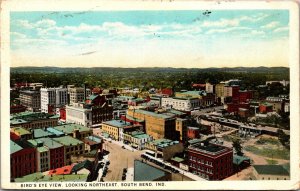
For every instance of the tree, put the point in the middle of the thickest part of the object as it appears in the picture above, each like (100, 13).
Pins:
(236, 143)
(283, 138)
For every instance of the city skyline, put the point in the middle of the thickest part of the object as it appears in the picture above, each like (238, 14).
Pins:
(191, 39)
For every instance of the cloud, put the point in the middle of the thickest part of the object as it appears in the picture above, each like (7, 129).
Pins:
(226, 30)
(270, 25)
(18, 35)
(257, 32)
(221, 23)
(281, 29)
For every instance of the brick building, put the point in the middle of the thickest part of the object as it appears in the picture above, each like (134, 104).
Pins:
(210, 161)
(57, 152)
(22, 159)
(157, 125)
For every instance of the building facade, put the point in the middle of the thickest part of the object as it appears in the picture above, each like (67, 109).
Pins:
(210, 161)
(183, 104)
(22, 159)
(157, 125)
(52, 98)
(77, 94)
(31, 99)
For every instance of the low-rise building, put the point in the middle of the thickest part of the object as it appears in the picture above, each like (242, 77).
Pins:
(72, 146)
(93, 142)
(33, 120)
(116, 128)
(165, 148)
(21, 132)
(270, 172)
(75, 130)
(182, 103)
(137, 139)
(210, 161)
(146, 172)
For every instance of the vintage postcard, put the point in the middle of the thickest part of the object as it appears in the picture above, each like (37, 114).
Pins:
(114, 95)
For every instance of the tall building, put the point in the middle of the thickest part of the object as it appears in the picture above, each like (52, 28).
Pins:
(220, 89)
(157, 125)
(210, 161)
(31, 99)
(52, 98)
(77, 94)
(209, 88)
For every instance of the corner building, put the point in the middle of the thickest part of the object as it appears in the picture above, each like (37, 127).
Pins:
(210, 161)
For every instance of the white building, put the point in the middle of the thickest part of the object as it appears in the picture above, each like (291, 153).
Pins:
(53, 97)
(78, 114)
(184, 104)
(286, 107)
(77, 94)
(209, 88)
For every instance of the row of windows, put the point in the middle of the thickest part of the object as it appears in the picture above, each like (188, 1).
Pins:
(202, 161)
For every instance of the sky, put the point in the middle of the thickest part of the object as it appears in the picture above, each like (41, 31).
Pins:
(189, 39)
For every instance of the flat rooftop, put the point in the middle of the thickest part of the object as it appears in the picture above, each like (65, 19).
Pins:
(157, 115)
(48, 142)
(208, 148)
(271, 170)
(117, 123)
(20, 131)
(68, 141)
(164, 142)
(69, 128)
(39, 133)
(145, 172)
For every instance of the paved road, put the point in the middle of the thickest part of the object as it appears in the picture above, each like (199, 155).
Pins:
(119, 158)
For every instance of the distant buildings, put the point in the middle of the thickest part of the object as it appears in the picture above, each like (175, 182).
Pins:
(282, 82)
(183, 104)
(78, 95)
(210, 161)
(31, 99)
(52, 98)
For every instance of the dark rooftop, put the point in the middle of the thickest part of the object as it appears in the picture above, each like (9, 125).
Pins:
(209, 148)
(145, 172)
(271, 170)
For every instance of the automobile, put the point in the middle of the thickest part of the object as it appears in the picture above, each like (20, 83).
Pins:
(124, 170)
(123, 147)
